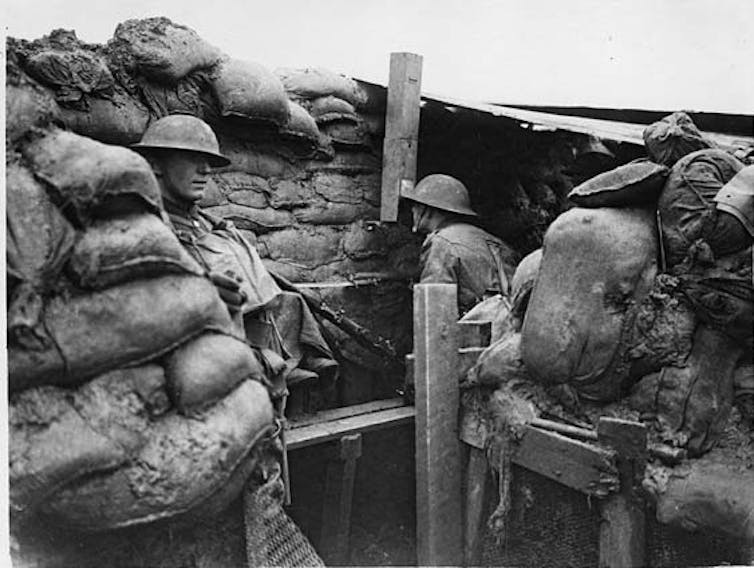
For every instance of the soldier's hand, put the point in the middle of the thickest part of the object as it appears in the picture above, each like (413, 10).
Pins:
(228, 286)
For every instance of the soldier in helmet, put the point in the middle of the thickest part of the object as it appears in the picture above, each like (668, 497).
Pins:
(456, 251)
(182, 151)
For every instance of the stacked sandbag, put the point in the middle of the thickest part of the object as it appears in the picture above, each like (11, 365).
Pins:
(673, 137)
(332, 99)
(635, 184)
(91, 101)
(122, 369)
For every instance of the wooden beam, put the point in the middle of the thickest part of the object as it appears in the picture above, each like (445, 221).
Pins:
(438, 451)
(401, 130)
(467, 358)
(338, 498)
(584, 467)
(321, 432)
(344, 412)
(622, 527)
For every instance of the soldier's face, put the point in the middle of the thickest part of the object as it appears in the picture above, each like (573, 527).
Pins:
(419, 214)
(183, 175)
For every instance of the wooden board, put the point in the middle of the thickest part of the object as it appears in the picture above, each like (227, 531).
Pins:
(401, 130)
(584, 467)
(320, 432)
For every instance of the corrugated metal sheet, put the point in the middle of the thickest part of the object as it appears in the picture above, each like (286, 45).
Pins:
(608, 129)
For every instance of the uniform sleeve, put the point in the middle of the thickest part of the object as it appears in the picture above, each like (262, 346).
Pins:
(438, 262)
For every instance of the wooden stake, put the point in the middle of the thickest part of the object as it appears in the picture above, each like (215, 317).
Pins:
(438, 450)
(401, 130)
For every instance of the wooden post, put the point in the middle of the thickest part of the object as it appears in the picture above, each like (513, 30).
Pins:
(438, 449)
(400, 148)
(622, 530)
(478, 494)
(336, 510)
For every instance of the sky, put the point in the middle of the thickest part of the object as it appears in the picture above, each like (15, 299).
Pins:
(651, 54)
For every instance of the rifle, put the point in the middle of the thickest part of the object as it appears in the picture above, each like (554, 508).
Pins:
(359, 333)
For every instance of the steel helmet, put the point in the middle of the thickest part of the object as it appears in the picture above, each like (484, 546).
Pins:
(442, 192)
(183, 132)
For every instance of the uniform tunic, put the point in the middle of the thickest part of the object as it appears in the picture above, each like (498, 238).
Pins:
(463, 254)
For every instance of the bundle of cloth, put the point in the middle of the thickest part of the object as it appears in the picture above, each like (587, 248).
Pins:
(640, 304)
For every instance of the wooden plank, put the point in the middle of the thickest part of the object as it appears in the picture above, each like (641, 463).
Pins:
(478, 493)
(438, 451)
(338, 498)
(325, 431)
(584, 467)
(345, 412)
(623, 524)
(474, 333)
(401, 130)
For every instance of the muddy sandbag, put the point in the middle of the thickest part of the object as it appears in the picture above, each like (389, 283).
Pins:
(706, 495)
(117, 120)
(27, 103)
(497, 310)
(500, 363)
(39, 242)
(160, 49)
(596, 264)
(207, 368)
(300, 126)
(112, 251)
(330, 108)
(670, 139)
(182, 97)
(249, 90)
(687, 208)
(72, 73)
(522, 284)
(346, 133)
(632, 184)
(86, 174)
(663, 328)
(57, 435)
(185, 464)
(116, 327)
(313, 83)
(694, 399)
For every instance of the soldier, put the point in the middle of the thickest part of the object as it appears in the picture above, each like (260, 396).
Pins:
(182, 150)
(456, 251)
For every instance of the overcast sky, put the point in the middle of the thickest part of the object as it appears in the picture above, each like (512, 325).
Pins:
(654, 54)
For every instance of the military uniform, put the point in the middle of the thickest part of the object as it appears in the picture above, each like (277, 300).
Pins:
(463, 254)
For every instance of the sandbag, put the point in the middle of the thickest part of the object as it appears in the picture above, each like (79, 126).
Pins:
(300, 124)
(346, 133)
(663, 328)
(709, 495)
(87, 174)
(330, 108)
(249, 90)
(72, 73)
(185, 464)
(207, 368)
(27, 104)
(120, 326)
(112, 251)
(497, 310)
(523, 282)
(313, 83)
(498, 364)
(596, 265)
(39, 241)
(160, 49)
(117, 120)
(632, 184)
(687, 209)
(182, 97)
(56, 435)
(670, 139)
